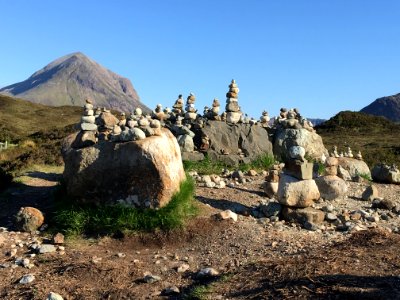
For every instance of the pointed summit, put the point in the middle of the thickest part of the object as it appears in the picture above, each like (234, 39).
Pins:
(71, 79)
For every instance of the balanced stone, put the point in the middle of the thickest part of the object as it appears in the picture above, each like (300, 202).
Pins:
(88, 119)
(88, 127)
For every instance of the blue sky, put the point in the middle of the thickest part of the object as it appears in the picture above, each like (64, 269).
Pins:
(319, 56)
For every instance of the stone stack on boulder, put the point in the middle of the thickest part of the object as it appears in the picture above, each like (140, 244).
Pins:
(297, 189)
(264, 119)
(232, 108)
(191, 112)
(178, 106)
(290, 134)
(88, 129)
(213, 113)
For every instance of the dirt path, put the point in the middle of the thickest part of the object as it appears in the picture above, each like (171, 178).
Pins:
(255, 259)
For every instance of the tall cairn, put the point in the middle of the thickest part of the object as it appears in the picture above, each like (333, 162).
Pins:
(191, 112)
(232, 107)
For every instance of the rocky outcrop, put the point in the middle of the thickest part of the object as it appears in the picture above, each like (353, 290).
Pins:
(354, 166)
(289, 137)
(143, 173)
(233, 143)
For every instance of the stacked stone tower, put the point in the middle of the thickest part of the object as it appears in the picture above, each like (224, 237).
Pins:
(232, 107)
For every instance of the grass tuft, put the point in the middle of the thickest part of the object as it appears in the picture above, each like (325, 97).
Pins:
(74, 219)
(208, 167)
(205, 166)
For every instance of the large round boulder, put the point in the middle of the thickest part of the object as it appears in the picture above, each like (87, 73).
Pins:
(285, 139)
(143, 173)
(331, 187)
(297, 193)
(354, 166)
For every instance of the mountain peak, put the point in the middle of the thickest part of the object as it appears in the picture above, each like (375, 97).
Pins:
(388, 107)
(72, 78)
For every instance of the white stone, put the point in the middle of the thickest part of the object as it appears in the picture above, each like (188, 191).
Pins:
(227, 214)
(54, 296)
(27, 279)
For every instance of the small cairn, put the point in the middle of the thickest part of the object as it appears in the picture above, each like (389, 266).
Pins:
(359, 155)
(282, 116)
(232, 108)
(88, 119)
(213, 112)
(178, 106)
(264, 119)
(349, 153)
(158, 113)
(191, 112)
(122, 120)
(271, 183)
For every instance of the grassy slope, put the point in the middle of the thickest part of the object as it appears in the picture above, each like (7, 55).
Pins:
(20, 118)
(376, 137)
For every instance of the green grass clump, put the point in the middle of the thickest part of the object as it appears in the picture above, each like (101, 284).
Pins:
(208, 166)
(74, 219)
(262, 162)
(205, 166)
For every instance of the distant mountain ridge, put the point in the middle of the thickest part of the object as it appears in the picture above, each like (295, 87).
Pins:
(71, 79)
(388, 107)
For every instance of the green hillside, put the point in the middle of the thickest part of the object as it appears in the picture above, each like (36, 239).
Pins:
(20, 118)
(376, 137)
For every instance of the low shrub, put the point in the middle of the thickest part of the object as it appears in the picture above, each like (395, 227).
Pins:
(74, 219)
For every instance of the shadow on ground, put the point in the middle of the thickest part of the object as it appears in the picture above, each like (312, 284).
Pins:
(22, 194)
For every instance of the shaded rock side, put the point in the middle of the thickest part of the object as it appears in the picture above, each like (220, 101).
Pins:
(227, 139)
(354, 166)
(310, 141)
(143, 173)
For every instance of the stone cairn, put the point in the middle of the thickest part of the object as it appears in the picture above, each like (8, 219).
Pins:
(178, 106)
(104, 126)
(191, 112)
(213, 112)
(88, 119)
(292, 119)
(232, 108)
(264, 119)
